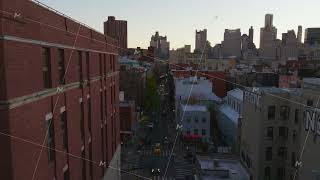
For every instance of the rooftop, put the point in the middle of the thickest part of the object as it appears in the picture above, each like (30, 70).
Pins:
(200, 108)
(314, 81)
(222, 169)
(237, 93)
(275, 90)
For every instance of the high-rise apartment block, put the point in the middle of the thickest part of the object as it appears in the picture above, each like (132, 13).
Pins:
(231, 45)
(201, 40)
(58, 93)
(117, 29)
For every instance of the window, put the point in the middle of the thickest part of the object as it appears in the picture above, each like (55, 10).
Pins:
(195, 131)
(284, 112)
(267, 173)
(51, 145)
(296, 116)
(243, 156)
(61, 66)
(309, 102)
(80, 66)
(83, 156)
(100, 65)
(196, 120)
(88, 65)
(203, 132)
(66, 175)
(90, 158)
(248, 161)
(89, 114)
(82, 122)
(282, 152)
(269, 153)
(294, 135)
(283, 131)
(271, 112)
(104, 64)
(46, 68)
(293, 159)
(281, 173)
(188, 120)
(270, 132)
(204, 120)
(64, 130)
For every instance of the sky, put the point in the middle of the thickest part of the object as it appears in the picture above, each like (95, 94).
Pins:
(179, 19)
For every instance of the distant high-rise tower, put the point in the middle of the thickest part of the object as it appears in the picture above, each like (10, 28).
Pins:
(299, 35)
(268, 22)
(231, 45)
(201, 39)
(251, 34)
(268, 36)
(312, 36)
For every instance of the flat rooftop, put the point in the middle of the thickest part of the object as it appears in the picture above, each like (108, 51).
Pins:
(200, 108)
(222, 169)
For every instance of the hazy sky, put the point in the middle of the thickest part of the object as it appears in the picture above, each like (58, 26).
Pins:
(178, 19)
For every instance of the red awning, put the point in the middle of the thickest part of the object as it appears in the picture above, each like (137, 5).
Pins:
(192, 136)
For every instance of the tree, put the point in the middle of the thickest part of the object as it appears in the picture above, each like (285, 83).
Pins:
(152, 98)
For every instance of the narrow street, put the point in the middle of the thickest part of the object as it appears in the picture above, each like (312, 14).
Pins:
(142, 160)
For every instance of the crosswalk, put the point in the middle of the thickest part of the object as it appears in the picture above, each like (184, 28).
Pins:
(183, 168)
(149, 152)
(162, 178)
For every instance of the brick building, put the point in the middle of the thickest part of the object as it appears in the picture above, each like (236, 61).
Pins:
(37, 47)
(117, 29)
(128, 120)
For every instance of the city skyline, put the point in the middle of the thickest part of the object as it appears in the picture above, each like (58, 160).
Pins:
(180, 26)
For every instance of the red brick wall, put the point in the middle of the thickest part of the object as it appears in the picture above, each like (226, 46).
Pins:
(23, 76)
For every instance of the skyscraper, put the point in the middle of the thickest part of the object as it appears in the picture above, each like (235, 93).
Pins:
(299, 35)
(201, 39)
(232, 43)
(251, 31)
(268, 35)
(289, 45)
(268, 20)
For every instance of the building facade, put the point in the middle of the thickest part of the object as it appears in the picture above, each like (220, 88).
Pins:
(59, 87)
(228, 118)
(195, 120)
(201, 40)
(268, 35)
(128, 120)
(231, 43)
(312, 36)
(274, 130)
(289, 47)
(117, 29)
(161, 45)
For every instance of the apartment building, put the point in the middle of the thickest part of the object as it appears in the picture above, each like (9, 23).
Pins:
(58, 87)
(274, 128)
